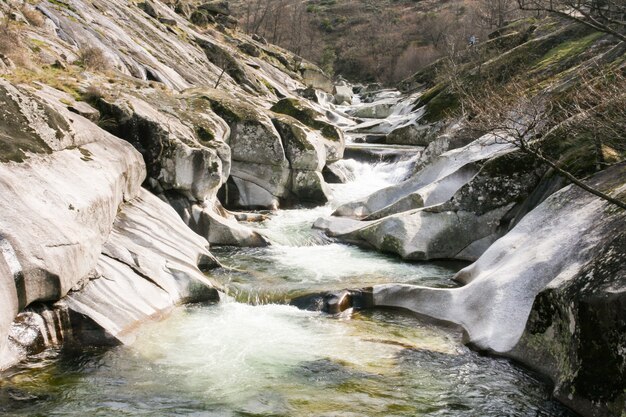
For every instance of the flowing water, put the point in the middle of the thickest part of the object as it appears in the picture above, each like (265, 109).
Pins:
(253, 355)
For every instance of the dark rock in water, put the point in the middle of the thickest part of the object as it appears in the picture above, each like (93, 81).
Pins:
(335, 302)
(326, 371)
(364, 153)
(376, 139)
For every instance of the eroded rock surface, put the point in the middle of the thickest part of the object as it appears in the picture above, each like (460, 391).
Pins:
(85, 235)
(549, 293)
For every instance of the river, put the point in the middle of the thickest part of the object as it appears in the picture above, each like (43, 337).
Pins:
(254, 355)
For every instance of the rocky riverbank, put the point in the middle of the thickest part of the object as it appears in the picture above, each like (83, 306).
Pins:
(140, 134)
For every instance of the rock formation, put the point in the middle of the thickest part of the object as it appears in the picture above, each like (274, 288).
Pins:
(145, 98)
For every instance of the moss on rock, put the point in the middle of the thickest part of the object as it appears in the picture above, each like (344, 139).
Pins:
(307, 116)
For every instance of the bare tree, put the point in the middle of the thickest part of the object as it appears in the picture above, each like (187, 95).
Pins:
(607, 16)
(512, 115)
(494, 13)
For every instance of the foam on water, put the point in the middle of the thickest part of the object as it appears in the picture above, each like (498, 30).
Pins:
(234, 359)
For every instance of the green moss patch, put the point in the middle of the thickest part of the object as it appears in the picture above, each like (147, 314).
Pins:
(566, 50)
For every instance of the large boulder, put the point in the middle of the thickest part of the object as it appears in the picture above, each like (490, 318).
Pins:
(314, 77)
(333, 138)
(342, 94)
(435, 184)
(412, 134)
(550, 293)
(462, 227)
(54, 224)
(306, 154)
(187, 157)
(304, 148)
(151, 262)
(260, 169)
(217, 225)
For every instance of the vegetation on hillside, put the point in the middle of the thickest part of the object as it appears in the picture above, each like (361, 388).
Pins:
(553, 86)
(373, 41)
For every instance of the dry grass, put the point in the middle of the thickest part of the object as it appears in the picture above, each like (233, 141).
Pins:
(33, 16)
(93, 58)
(12, 45)
(92, 94)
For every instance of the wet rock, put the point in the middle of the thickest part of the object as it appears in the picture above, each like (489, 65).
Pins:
(335, 302)
(309, 186)
(462, 227)
(436, 183)
(41, 327)
(150, 263)
(213, 222)
(337, 173)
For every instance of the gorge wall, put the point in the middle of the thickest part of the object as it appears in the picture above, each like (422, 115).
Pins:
(121, 123)
(129, 130)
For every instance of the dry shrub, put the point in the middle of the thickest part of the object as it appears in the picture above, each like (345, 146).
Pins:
(93, 58)
(11, 44)
(414, 58)
(92, 95)
(33, 16)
